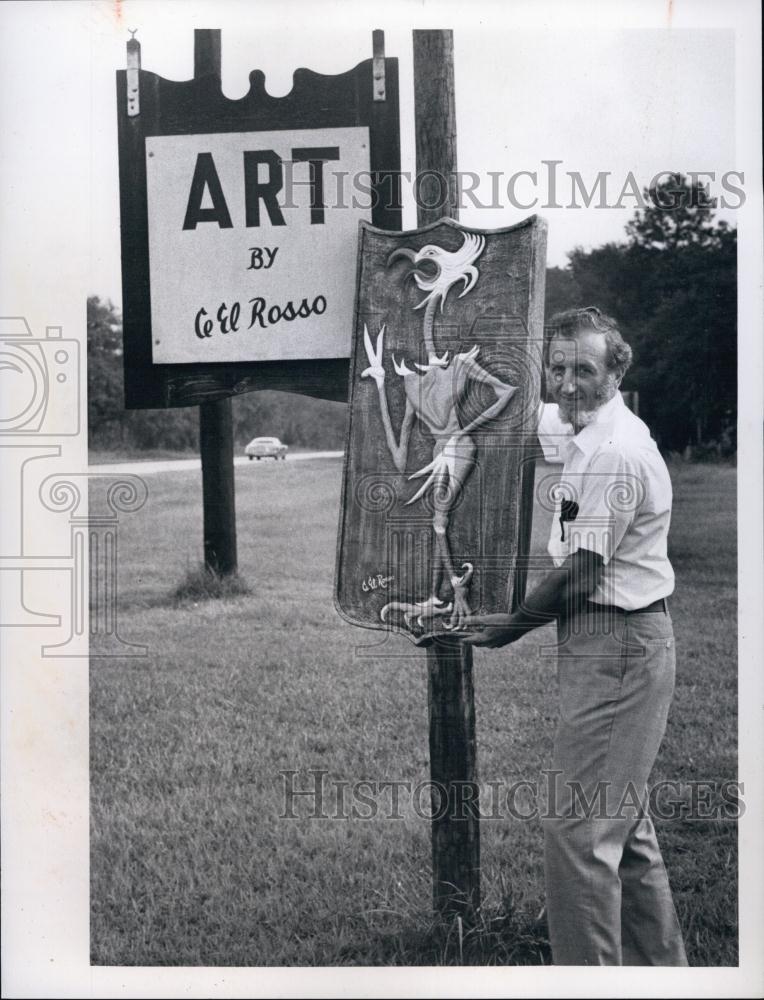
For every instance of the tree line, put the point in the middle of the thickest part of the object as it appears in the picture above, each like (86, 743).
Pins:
(298, 420)
(671, 284)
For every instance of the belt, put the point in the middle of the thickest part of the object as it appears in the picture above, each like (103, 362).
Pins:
(657, 606)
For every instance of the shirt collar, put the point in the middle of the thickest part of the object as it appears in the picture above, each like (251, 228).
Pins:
(589, 437)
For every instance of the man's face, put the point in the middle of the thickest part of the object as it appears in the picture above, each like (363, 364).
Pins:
(578, 377)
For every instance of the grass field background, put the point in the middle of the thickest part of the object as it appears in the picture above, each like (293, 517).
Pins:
(191, 863)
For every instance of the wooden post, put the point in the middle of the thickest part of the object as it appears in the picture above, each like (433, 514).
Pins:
(453, 752)
(435, 126)
(218, 496)
(216, 418)
(207, 60)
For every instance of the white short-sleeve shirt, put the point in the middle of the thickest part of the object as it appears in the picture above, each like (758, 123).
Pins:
(614, 498)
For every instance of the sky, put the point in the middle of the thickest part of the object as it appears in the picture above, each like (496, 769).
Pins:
(623, 88)
(635, 100)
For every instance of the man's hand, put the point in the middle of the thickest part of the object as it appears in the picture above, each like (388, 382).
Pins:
(491, 638)
(559, 593)
(497, 630)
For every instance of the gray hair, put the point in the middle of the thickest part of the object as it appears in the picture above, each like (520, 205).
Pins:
(573, 321)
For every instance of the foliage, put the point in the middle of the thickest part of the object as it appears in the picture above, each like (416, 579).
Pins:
(678, 214)
(673, 288)
(295, 419)
(109, 424)
(104, 346)
(298, 420)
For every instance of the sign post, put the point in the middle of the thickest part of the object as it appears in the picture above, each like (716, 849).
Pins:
(216, 417)
(450, 696)
(218, 490)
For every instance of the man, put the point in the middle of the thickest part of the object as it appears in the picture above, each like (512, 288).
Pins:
(608, 897)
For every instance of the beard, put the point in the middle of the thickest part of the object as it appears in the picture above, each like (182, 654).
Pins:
(578, 418)
(582, 418)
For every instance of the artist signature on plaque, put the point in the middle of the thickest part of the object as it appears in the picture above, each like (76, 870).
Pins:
(375, 581)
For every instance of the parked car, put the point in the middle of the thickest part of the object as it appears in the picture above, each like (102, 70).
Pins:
(266, 447)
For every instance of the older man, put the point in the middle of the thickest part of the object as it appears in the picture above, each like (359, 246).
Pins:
(608, 897)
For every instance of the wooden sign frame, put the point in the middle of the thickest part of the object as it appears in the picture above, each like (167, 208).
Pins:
(366, 95)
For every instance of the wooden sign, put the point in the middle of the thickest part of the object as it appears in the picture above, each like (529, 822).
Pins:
(444, 391)
(239, 222)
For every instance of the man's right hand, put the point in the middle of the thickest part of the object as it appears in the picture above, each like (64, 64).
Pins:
(491, 638)
(496, 630)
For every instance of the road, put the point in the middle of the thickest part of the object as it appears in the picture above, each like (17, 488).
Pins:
(191, 464)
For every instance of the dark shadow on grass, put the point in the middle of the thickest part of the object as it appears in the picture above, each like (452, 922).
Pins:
(502, 936)
(205, 584)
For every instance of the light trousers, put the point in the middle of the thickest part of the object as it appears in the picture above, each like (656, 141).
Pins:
(608, 896)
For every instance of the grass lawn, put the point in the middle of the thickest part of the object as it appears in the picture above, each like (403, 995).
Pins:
(109, 456)
(191, 860)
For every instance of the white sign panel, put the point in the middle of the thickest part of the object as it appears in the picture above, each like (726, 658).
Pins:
(252, 243)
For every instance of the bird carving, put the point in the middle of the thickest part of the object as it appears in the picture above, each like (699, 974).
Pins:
(451, 268)
(433, 402)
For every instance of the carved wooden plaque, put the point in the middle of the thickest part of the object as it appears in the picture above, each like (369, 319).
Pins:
(444, 390)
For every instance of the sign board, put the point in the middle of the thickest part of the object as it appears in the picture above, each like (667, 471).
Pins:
(444, 392)
(252, 243)
(238, 225)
